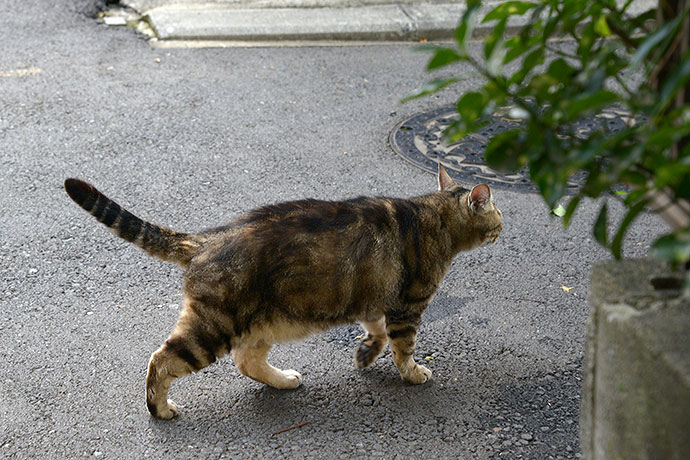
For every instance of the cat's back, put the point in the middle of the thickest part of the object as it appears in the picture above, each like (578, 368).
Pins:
(304, 238)
(308, 220)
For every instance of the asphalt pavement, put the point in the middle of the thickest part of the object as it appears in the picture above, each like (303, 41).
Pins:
(188, 138)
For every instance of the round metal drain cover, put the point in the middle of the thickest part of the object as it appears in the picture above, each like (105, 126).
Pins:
(419, 141)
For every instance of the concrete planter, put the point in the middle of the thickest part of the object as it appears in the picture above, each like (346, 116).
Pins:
(636, 389)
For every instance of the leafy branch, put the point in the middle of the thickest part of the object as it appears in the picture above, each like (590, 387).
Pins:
(554, 89)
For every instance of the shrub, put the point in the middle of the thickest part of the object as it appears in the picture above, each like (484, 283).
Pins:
(604, 56)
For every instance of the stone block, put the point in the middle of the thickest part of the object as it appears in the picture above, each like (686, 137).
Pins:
(636, 389)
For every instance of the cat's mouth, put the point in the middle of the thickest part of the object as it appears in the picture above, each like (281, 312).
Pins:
(493, 237)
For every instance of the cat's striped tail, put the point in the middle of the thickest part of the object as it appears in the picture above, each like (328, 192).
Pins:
(160, 242)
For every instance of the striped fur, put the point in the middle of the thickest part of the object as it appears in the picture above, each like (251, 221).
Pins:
(287, 270)
(158, 241)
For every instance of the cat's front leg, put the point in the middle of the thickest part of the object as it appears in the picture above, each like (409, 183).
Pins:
(402, 334)
(372, 344)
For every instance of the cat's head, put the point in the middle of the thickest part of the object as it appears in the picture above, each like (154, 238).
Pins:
(477, 206)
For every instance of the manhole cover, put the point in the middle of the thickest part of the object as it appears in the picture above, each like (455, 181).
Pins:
(419, 141)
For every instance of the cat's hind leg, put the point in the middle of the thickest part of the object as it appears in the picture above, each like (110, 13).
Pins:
(193, 345)
(251, 361)
(372, 344)
(402, 334)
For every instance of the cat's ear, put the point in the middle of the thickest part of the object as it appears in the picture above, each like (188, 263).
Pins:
(479, 197)
(444, 180)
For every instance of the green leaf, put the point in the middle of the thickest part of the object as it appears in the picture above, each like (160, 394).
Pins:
(631, 177)
(463, 33)
(471, 107)
(586, 42)
(495, 93)
(551, 26)
(494, 63)
(443, 57)
(678, 78)
(635, 195)
(590, 102)
(506, 9)
(496, 37)
(558, 210)
(601, 26)
(670, 174)
(570, 210)
(664, 137)
(652, 41)
(682, 190)
(541, 84)
(430, 88)
(550, 186)
(600, 226)
(533, 59)
(501, 152)
(516, 48)
(560, 69)
(674, 246)
(617, 242)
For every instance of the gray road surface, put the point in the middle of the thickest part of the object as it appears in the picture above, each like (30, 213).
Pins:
(189, 138)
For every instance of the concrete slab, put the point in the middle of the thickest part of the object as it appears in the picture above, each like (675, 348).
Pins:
(147, 5)
(433, 20)
(270, 21)
(371, 22)
(636, 391)
(218, 23)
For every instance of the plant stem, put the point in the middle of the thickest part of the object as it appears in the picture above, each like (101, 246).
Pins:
(560, 53)
(620, 81)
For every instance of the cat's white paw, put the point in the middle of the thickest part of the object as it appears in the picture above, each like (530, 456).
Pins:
(294, 377)
(418, 374)
(169, 412)
(289, 379)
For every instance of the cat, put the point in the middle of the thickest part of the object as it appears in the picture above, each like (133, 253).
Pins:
(284, 271)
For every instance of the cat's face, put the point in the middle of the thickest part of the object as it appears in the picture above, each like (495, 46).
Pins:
(488, 218)
(478, 204)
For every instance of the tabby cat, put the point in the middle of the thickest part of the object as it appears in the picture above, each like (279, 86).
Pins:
(283, 271)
